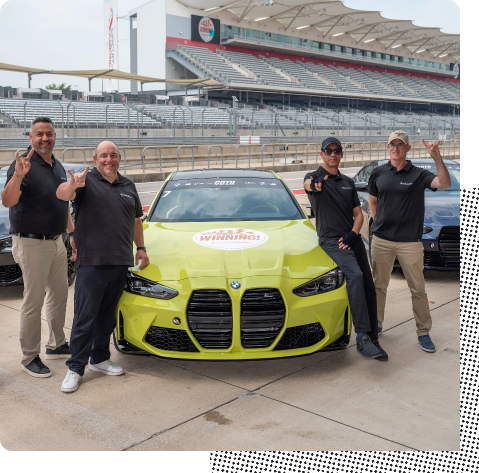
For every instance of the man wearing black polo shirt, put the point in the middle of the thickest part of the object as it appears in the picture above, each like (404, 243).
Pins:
(396, 200)
(38, 219)
(108, 211)
(339, 218)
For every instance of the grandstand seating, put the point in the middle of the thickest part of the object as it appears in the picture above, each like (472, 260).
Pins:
(286, 73)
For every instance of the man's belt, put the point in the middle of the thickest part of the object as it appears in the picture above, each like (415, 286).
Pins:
(37, 237)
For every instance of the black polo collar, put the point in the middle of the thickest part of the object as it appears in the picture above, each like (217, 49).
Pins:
(406, 168)
(325, 173)
(118, 181)
(37, 159)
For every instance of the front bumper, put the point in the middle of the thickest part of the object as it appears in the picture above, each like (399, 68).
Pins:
(310, 323)
(10, 272)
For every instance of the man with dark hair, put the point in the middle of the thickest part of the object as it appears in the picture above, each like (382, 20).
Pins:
(396, 199)
(339, 219)
(38, 220)
(108, 211)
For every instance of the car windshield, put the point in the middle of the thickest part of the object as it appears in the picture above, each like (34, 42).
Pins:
(225, 200)
(454, 172)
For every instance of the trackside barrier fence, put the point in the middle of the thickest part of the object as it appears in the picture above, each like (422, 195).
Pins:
(307, 151)
(143, 155)
(192, 157)
(286, 151)
(249, 154)
(222, 157)
(74, 149)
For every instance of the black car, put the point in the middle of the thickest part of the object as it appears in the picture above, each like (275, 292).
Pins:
(441, 231)
(10, 272)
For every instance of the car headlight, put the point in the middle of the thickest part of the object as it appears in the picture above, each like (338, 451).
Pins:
(145, 287)
(6, 242)
(326, 282)
(426, 229)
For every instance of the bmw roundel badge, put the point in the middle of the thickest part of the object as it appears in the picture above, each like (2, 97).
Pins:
(235, 285)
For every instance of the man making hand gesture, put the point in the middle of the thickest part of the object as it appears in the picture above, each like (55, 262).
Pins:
(38, 219)
(108, 211)
(396, 200)
(338, 221)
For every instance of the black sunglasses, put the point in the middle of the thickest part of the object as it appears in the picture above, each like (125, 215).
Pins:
(330, 151)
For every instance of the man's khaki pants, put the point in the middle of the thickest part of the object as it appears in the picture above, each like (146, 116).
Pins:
(411, 259)
(44, 268)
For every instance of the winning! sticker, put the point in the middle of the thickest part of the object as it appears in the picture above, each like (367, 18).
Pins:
(230, 239)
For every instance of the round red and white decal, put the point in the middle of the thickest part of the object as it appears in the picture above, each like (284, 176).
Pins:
(230, 239)
(206, 29)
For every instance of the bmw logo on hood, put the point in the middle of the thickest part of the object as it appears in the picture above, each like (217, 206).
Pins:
(235, 285)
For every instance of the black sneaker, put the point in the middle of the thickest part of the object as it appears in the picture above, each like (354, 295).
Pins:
(384, 356)
(62, 351)
(365, 346)
(36, 368)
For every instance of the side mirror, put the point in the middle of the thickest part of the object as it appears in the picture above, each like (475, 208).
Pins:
(361, 186)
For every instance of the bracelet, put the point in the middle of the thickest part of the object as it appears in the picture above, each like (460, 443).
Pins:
(16, 175)
(138, 248)
(70, 234)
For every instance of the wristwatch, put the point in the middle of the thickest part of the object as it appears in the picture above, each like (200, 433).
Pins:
(70, 234)
(141, 248)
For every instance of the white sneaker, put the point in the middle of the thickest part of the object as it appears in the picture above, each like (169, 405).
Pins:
(107, 367)
(71, 382)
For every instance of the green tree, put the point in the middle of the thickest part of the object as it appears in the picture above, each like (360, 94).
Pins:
(61, 86)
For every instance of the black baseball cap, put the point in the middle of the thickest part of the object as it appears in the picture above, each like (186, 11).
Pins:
(329, 141)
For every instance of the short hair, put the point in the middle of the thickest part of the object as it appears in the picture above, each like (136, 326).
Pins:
(42, 120)
(95, 153)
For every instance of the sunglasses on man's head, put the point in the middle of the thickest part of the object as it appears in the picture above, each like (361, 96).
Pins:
(330, 151)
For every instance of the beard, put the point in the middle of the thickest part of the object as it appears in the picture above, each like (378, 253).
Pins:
(106, 173)
(43, 150)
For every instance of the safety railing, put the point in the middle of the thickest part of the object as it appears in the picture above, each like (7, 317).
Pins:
(74, 149)
(307, 151)
(286, 152)
(143, 155)
(249, 154)
(222, 156)
(178, 156)
(124, 158)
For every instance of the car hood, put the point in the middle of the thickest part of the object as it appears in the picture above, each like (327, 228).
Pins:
(287, 248)
(442, 206)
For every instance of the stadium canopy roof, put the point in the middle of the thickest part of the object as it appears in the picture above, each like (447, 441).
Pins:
(332, 18)
(108, 74)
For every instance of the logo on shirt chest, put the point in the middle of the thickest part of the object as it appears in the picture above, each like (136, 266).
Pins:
(126, 195)
(349, 188)
(405, 183)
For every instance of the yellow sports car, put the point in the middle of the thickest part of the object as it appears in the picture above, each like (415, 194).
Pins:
(235, 273)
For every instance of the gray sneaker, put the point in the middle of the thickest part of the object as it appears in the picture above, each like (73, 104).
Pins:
(366, 347)
(384, 356)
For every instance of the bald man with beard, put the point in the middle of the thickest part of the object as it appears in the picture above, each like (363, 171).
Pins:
(107, 210)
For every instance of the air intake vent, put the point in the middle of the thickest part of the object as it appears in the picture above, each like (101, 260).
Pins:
(170, 339)
(10, 274)
(210, 318)
(301, 337)
(262, 317)
(449, 245)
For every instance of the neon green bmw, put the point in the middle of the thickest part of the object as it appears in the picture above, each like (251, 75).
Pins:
(235, 273)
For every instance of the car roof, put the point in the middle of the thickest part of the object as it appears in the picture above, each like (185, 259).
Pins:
(222, 174)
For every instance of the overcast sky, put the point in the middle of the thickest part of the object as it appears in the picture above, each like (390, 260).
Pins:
(68, 34)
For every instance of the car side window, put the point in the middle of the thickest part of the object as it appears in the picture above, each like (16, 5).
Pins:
(367, 172)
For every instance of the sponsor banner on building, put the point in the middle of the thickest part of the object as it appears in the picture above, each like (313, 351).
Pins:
(110, 18)
(205, 29)
(230, 239)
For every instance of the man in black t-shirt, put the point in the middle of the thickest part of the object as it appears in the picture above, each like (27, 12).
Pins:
(107, 211)
(339, 218)
(396, 200)
(38, 220)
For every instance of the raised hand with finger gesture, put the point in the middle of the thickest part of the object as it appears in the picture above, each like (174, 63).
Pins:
(78, 179)
(22, 164)
(432, 148)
